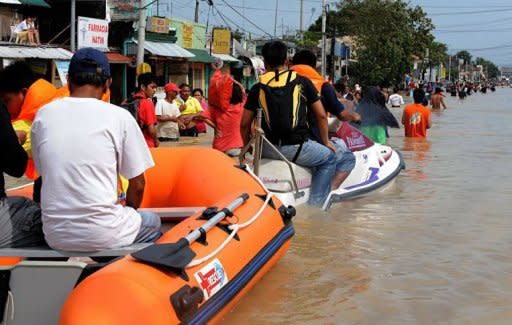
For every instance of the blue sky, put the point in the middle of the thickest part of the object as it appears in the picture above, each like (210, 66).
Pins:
(482, 27)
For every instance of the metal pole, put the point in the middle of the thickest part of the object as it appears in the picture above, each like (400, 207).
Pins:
(450, 68)
(73, 26)
(324, 40)
(301, 22)
(141, 33)
(275, 19)
(196, 15)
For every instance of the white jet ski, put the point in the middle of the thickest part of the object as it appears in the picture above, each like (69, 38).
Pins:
(376, 166)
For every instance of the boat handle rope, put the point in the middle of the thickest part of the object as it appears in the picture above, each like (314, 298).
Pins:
(235, 227)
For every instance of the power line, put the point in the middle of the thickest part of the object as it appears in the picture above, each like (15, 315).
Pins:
(249, 21)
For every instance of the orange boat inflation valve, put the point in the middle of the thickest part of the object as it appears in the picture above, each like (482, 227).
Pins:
(176, 256)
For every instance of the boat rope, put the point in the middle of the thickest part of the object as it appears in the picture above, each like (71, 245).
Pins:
(236, 227)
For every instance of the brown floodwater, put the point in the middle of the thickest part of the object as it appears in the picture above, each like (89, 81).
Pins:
(433, 248)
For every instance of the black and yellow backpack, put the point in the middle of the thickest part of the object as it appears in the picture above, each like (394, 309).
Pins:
(284, 108)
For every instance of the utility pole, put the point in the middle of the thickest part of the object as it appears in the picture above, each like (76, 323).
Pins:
(73, 26)
(449, 68)
(324, 40)
(196, 15)
(275, 19)
(301, 22)
(141, 36)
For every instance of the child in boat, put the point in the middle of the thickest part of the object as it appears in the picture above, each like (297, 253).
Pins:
(79, 162)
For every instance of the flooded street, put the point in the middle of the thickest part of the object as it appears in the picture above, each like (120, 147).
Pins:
(433, 248)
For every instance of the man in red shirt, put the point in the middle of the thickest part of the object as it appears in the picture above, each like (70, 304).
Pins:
(416, 118)
(147, 118)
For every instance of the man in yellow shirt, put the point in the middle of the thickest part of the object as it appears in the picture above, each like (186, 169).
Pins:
(189, 109)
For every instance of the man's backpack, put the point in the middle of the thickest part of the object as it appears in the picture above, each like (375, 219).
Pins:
(132, 106)
(284, 109)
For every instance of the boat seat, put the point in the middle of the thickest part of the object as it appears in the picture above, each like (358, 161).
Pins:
(47, 252)
(34, 291)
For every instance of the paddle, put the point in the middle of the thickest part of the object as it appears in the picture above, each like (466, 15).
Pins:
(176, 256)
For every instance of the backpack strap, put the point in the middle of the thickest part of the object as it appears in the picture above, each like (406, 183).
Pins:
(276, 77)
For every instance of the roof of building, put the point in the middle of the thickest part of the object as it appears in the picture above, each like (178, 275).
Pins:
(18, 52)
(201, 55)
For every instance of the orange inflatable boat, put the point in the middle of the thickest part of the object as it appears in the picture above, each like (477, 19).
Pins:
(200, 267)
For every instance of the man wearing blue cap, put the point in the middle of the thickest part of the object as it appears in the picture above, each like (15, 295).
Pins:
(80, 144)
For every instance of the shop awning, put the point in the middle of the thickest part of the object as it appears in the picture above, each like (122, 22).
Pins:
(166, 49)
(225, 57)
(19, 52)
(36, 3)
(114, 57)
(201, 56)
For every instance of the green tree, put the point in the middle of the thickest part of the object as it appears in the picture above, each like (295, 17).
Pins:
(387, 34)
(465, 55)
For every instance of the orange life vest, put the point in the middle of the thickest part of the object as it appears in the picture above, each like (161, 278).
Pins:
(310, 73)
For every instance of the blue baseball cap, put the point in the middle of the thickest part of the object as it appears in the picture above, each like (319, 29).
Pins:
(89, 60)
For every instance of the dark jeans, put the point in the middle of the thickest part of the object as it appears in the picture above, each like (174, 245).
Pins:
(20, 223)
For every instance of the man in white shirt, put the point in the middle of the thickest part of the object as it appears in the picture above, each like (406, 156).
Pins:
(167, 113)
(396, 100)
(80, 144)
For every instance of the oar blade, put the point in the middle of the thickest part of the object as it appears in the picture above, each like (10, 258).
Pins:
(175, 256)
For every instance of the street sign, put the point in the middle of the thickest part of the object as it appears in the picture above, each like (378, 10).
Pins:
(92, 33)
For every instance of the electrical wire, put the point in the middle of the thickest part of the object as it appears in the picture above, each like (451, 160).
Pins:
(248, 20)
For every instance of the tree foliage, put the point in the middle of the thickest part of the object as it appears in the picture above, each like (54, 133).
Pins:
(387, 32)
(490, 69)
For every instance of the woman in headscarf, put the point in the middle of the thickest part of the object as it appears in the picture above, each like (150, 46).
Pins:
(375, 116)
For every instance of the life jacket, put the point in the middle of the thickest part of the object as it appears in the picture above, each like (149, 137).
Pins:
(284, 108)
(310, 73)
(38, 94)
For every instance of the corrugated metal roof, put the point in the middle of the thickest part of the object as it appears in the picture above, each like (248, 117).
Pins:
(201, 56)
(167, 49)
(225, 57)
(15, 52)
(37, 3)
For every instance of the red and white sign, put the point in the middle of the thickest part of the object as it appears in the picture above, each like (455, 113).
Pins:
(211, 278)
(92, 33)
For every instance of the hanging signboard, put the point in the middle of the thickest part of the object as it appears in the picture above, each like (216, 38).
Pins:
(186, 37)
(92, 33)
(221, 41)
(157, 25)
(123, 10)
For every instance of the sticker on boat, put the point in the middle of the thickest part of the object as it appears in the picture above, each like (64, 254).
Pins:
(211, 278)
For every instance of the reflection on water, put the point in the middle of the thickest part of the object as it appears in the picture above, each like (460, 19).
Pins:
(433, 248)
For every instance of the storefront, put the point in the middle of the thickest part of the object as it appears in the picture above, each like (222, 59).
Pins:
(199, 69)
(168, 61)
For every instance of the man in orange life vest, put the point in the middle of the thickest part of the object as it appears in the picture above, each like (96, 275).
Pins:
(304, 63)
